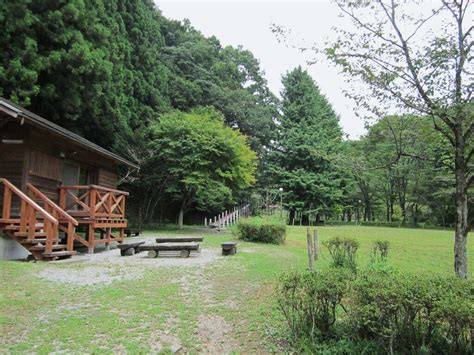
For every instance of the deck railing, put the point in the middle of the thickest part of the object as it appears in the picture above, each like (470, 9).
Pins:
(93, 201)
(58, 213)
(32, 216)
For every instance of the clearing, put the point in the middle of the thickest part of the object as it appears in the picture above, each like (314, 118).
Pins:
(207, 303)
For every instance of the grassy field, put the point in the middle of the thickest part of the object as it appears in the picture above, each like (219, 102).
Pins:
(223, 306)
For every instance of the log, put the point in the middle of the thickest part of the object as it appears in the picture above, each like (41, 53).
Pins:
(184, 253)
(178, 239)
(229, 248)
(152, 254)
(129, 245)
(129, 251)
(171, 247)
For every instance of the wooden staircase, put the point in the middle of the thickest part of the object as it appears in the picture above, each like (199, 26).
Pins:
(37, 227)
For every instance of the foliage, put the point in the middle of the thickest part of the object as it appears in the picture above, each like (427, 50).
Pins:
(380, 250)
(310, 301)
(409, 313)
(343, 251)
(382, 309)
(204, 161)
(407, 65)
(262, 230)
(303, 160)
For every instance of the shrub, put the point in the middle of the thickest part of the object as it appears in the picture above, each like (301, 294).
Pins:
(343, 251)
(261, 230)
(309, 300)
(384, 310)
(380, 250)
(413, 313)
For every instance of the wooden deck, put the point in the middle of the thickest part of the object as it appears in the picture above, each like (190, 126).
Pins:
(100, 211)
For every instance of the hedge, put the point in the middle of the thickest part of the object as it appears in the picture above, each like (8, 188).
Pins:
(262, 230)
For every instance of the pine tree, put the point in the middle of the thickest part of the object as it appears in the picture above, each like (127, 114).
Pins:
(309, 141)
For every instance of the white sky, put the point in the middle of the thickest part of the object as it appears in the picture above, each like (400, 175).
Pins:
(247, 23)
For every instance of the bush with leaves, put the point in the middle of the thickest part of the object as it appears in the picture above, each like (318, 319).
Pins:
(343, 251)
(413, 313)
(386, 311)
(309, 301)
(380, 250)
(262, 230)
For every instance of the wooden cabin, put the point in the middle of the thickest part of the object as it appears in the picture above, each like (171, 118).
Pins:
(58, 191)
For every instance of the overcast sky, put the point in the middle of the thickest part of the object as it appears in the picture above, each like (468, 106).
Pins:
(247, 23)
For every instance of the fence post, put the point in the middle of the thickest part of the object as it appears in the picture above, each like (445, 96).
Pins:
(309, 239)
(316, 244)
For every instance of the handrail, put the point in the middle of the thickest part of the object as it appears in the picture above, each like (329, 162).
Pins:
(29, 201)
(51, 204)
(97, 187)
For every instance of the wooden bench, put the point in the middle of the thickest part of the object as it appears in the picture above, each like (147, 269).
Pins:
(178, 239)
(130, 248)
(229, 248)
(184, 249)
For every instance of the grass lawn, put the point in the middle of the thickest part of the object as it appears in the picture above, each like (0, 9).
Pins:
(222, 306)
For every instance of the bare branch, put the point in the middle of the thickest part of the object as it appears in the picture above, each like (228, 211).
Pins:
(423, 22)
(407, 55)
(368, 27)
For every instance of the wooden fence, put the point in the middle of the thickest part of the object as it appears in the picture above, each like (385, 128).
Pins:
(228, 218)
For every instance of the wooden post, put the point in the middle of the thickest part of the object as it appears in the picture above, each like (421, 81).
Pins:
(71, 231)
(316, 244)
(7, 202)
(310, 249)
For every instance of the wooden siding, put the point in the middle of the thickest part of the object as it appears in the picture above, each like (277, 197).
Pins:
(47, 186)
(45, 166)
(107, 179)
(11, 167)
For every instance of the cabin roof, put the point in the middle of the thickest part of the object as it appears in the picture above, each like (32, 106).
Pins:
(15, 111)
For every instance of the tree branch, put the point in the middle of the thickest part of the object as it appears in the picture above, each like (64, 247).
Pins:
(407, 56)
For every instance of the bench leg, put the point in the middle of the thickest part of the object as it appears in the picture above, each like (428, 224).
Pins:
(152, 254)
(184, 253)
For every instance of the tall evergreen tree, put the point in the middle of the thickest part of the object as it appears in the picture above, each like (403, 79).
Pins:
(309, 141)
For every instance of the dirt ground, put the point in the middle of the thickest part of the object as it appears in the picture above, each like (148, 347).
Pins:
(106, 267)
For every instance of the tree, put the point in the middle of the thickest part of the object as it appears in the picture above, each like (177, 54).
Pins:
(204, 163)
(309, 140)
(408, 66)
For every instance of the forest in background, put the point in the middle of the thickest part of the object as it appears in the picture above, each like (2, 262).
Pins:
(110, 70)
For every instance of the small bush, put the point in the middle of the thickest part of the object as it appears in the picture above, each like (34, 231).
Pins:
(262, 230)
(309, 300)
(380, 250)
(343, 251)
(411, 312)
(385, 311)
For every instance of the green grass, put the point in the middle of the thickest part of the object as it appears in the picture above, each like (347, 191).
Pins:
(40, 316)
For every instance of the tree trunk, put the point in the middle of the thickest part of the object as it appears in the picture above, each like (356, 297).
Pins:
(181, 217)
(461, 229)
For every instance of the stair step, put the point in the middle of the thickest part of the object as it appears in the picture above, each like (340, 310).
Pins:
(25, 234)
(59, 253)
(36, 241)
(13, 227)
(43, 247)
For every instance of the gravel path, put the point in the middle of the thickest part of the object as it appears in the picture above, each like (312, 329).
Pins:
(105, 267)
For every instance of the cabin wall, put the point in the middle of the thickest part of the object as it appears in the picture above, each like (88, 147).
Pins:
(12, 161)
(107, 179)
